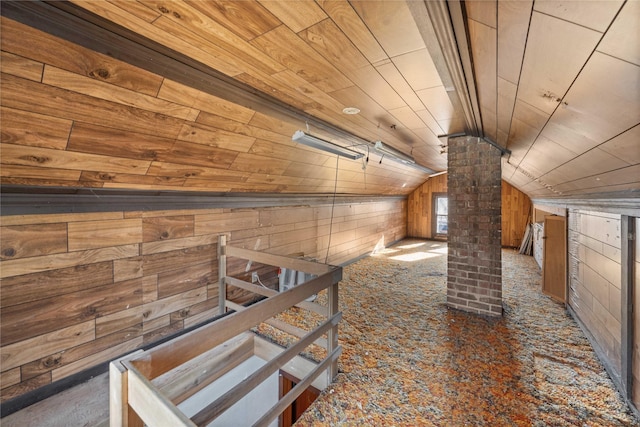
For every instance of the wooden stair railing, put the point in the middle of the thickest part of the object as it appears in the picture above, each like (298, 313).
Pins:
(146, 386)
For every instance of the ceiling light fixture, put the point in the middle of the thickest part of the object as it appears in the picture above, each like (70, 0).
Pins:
(394, 154)
(452, 135)
(321, 144)
(351, 110)
(422, 168)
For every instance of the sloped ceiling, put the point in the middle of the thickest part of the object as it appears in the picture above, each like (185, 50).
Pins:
(205, 96)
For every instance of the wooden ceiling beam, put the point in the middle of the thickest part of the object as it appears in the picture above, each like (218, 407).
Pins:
(453, 55)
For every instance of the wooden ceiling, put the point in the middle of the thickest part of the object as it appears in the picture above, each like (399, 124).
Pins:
(205, 95)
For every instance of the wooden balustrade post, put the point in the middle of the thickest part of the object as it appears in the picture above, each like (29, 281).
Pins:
(222, 273)
(332, 334)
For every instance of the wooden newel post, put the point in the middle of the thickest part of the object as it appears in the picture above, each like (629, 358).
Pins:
(222, 272)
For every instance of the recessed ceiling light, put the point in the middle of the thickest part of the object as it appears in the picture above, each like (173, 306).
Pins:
(351, 110)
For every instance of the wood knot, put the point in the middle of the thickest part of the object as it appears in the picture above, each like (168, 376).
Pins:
(103, 73)
(51, 361)
(177, 15)
(36, 159)
(150, 154)
(105, 176)
(184, 312)
(163, 9)
(164, 235)
(9, 252)
(89, 311)
(146, 314)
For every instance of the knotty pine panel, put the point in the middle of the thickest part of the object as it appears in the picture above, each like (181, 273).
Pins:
(157, 323)
(161, 333)
(68, 311)
(174, 303)
(185, 279)
(20, 266)
(180, 243)
(32, 240)
(25, 386)
(234, 15)
(516, 214)
(10, 377)
(210, 136)
(38, 130)
(53, 283)
(516, 211)
(420, 209)
(164, 228)
(30, 43)
(184, 95)
(167, 261)
(106, 141)
(85, 85)
(21, 67)
(179, 39)
(99, 234)
(34, 175)
(71, 355)
(126, 319)
(62, 103)
(226, 221)
(110, 353)
(27, 320)
(59, 159)
(215, 38)
(19, 353)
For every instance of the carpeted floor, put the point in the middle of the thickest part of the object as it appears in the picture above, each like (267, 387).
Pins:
(408, 360)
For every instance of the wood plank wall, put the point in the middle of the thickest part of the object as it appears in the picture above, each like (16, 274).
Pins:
(77, 118)
(595, 273)
(516, 211)
(516, 214)
(420, 206)
(80, 289)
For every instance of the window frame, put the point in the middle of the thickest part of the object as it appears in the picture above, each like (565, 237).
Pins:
(434, 216)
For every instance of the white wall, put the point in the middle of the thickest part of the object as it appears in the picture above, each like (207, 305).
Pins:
(246, 411)
(595, 278)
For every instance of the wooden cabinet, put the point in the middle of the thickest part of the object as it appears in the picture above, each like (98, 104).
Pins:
(554, 260)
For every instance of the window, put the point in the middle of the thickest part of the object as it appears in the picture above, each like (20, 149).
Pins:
(440, 212)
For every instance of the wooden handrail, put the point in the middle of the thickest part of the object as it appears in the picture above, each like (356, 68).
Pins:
(224, 402)
(316, 308)
(167, 356)
(297, 264)
(296, 391)
(155, 380)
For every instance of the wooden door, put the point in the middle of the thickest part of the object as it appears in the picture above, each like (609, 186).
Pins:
(554, 262)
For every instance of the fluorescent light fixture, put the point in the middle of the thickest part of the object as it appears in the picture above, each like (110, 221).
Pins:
(422, 168)
(452, 135)
(321, 144)
(383, 148)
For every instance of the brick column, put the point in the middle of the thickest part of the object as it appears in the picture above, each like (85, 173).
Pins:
(474, 270)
